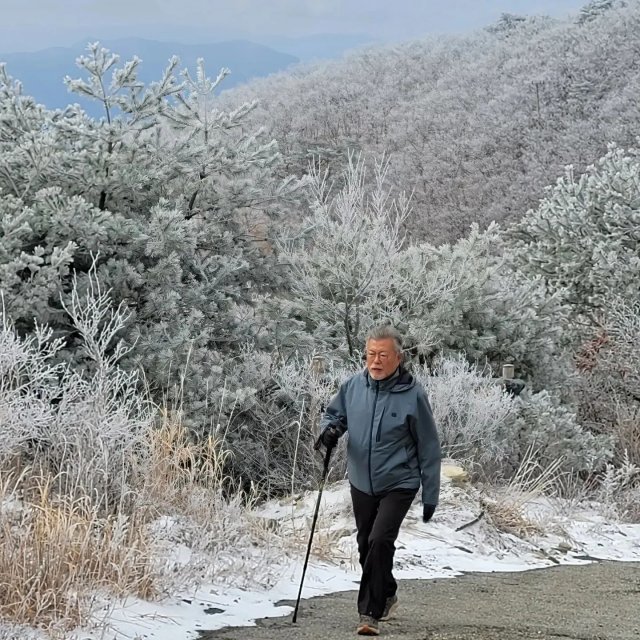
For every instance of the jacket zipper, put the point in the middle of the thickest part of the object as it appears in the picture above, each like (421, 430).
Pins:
(379, 432)
(373, 418)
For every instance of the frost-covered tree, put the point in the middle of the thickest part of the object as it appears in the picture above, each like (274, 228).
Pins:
(207, 145)
(115, 162)
(28, 149)
(496, 314)
(472, 413)
(474, 126)
(609, 389)
(41, 243)
(595, 8)
(350, 270)
(583, 240)
(583, 244)
(277, 422)
(479, 422)
(506, 23)
(553, 431)
(81, 424)
(175, 196)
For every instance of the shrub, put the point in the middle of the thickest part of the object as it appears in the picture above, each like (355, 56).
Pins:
(609, 385)
(471, 411)
(69, 459)
(553, 430)
(480, 422)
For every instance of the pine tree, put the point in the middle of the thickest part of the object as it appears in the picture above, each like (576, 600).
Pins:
(351, 268)
(115, 164)
(583, 240)
(175, 197)
(594, 9)
(28, 152)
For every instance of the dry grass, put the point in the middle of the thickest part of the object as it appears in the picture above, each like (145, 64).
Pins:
(508, 517)
(506, 510)
(186, 479)
(59, 546)
(627, 431)
(178, 465)
(291, 532)
(55, 552)
(326, 545)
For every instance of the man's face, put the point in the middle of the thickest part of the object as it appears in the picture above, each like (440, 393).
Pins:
(382, 358)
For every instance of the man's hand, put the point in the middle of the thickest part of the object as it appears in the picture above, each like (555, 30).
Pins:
(427, 512)
(330, 436)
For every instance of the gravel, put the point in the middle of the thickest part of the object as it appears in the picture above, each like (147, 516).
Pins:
(599, 601)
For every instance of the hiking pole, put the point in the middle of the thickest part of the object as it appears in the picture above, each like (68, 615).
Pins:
(325, 471)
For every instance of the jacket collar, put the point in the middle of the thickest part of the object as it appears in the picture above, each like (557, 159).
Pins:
(399, 380)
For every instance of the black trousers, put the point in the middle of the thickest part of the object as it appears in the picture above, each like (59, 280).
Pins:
(378, 520)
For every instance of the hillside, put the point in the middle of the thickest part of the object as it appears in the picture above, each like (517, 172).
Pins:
(474, 126)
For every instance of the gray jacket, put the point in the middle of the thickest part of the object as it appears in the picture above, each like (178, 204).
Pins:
(393, 442)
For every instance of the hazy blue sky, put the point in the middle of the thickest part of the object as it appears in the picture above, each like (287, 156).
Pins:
(34, 24)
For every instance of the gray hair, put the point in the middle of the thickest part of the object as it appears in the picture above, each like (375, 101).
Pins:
(385, 331)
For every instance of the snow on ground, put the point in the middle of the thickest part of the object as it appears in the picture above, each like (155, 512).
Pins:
(432, 550)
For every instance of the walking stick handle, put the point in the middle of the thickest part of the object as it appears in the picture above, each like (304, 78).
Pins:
(327, 457)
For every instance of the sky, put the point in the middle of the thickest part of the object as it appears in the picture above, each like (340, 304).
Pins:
(31, 25)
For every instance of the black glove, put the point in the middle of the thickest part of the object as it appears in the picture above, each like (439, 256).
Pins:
(428, 511)
(330, 436)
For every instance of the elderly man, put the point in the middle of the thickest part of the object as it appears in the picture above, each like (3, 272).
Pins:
(393, 448)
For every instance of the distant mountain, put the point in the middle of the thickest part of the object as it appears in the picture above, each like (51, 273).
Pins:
(42, 72)
(317, 46)
(321, 46)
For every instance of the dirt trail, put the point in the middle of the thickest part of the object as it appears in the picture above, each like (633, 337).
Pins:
(600, 601)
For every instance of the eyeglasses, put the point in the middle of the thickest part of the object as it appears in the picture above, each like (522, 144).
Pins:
(381, 355)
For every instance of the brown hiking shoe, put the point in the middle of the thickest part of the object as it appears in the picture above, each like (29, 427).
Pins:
(389, 607)
(368, 626)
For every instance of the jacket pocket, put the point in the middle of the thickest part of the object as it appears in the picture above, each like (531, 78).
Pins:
(407, 459)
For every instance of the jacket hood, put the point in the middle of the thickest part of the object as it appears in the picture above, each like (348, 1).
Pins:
(401, 380)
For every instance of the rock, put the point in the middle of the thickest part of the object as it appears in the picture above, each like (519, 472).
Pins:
(454, 473)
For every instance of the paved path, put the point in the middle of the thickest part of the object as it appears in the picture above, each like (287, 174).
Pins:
(600, 601)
